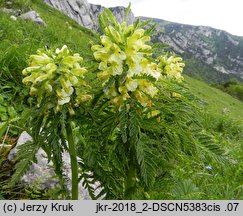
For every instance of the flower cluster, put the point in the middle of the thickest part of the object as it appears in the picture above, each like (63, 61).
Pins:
(171, 67)
(125, 64)
(57, 75)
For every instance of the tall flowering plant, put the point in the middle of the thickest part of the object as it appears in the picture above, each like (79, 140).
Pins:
(57, 83)
(125, 65)
(131, 81)
(57, 77)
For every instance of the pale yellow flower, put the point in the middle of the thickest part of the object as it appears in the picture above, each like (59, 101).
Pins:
(147, 87)
(131, 84)
(56, 74)
(171, 67)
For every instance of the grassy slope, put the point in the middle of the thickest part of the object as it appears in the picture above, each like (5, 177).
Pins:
(216, 99)
(19, 39)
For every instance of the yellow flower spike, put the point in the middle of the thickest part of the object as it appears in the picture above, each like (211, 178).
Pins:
(57, 75)
(125, 56)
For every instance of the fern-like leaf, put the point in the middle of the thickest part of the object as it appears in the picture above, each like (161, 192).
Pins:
(147, 160)
(25, 156)
(123, 118)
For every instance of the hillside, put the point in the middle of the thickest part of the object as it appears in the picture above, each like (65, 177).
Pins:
(218, 102)
(211, 54)
(197, 164)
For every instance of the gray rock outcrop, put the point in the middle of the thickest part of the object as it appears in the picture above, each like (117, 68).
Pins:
(119, 13)
(34, 16)
(87, 14)
(78, 10)
(41, 174)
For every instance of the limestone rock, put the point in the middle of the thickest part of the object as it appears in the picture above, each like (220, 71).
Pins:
(42, 173)
(87, 14)
(11, 11)
(119, 13)
(34, 16)
(78, 10)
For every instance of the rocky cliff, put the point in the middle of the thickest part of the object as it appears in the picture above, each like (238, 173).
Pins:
(118, 11)
(79, 10)
(86, 14)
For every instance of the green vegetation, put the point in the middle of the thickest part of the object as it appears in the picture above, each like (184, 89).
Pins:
(232, 87)
(217, 102)
(187, 145)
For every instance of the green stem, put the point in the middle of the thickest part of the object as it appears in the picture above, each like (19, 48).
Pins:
(74, 162)
(130, 182)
